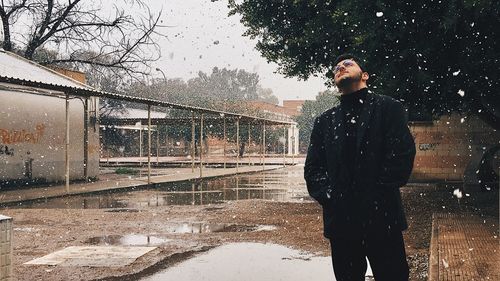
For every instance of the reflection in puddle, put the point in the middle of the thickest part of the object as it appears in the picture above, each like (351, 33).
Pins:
(249, 262)
(127, 240)
(200, 227)
(278, 185)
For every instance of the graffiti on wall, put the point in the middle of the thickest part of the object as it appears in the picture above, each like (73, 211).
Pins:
(5, 150)
(427, 146)
(9, 136)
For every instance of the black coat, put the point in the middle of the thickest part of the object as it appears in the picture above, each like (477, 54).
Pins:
(385, 151)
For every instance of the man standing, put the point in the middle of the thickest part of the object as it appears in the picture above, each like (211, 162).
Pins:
(361, 152)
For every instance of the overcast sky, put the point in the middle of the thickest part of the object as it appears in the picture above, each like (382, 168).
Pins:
(201, 36)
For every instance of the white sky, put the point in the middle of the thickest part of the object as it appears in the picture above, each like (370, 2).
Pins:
(201, 36)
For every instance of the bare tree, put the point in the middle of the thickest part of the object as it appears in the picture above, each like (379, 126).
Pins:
(78, 32)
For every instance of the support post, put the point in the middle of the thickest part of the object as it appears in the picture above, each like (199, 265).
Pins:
(261, 143)
(201, 146)
(140, 144)
(157, 145)
(166, 140)
(66, 153)
(86, 139)
(248, 146)
(192, 142)
(264, 147)
(225, 141)
(237, 143)
(293, 144)
(149, 144)
(284, 146)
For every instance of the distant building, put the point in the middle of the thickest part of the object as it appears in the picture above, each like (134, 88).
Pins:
(293, 107)
(288, 111)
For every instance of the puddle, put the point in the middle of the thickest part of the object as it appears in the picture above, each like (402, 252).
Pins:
(26, 229)
(277, 185)
(266, 228)
(249, 262)
(126, 240)
(200, 227)
(122, 211)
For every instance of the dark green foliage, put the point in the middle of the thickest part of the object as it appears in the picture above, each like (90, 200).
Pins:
(420, 52)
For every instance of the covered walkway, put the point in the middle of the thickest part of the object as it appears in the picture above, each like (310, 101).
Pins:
(21, 75)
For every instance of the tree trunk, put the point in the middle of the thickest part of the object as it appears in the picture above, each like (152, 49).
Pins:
(7, 43)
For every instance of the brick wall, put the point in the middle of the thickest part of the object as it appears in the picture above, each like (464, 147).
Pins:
(450, 147)
(77, 75)
(293, 107)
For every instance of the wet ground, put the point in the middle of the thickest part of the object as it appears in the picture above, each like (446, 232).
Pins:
(277, 185)
(190, 227)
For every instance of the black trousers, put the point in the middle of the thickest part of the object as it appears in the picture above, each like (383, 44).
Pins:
(384, 249)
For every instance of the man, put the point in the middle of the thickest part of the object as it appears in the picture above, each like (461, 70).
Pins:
(361, 152)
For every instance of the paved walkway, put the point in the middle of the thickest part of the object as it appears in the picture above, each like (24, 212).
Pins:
(464, 248)
(111, 181)
(274, 159)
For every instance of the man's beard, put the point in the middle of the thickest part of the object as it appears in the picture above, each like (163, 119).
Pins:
(347, 82)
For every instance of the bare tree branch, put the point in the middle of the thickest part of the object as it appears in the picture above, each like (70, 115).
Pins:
(80, 34)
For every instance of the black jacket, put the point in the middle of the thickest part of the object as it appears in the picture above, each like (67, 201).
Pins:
(385, 151)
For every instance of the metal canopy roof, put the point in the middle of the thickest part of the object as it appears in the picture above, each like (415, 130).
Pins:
(134, 115)
(16, 70)
(187, 120)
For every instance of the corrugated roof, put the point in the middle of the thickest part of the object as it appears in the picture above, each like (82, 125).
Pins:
(17, 70)
(15, 66)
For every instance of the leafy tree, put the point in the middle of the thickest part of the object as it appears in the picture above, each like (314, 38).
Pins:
(266, 95)
(81, 32)
(435, 56)
(223, 89)
(223, 85)
(312, 109)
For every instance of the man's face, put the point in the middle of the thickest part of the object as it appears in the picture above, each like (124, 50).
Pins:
(347, 72)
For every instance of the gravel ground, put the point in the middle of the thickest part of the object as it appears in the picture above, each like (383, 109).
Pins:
(38, 232)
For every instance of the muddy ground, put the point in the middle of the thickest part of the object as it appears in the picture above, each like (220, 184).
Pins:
(38, 232)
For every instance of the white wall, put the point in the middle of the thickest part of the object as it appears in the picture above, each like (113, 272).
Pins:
(293, 140)
(33, 127)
